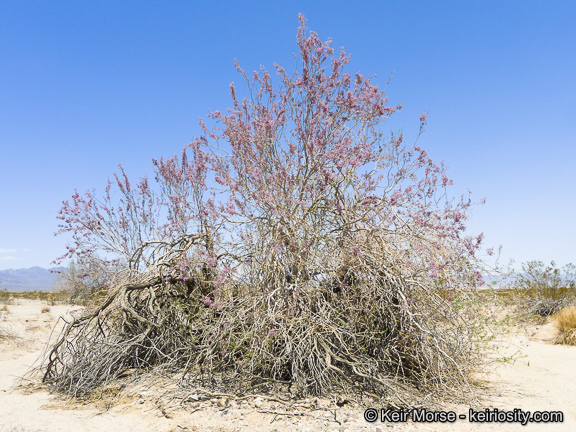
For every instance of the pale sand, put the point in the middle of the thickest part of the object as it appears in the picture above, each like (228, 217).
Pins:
(543, 377)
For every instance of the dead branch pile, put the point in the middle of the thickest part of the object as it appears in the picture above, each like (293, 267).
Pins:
(362, 328)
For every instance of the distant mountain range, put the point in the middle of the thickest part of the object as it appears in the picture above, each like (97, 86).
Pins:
(31, 279)
(41, 279)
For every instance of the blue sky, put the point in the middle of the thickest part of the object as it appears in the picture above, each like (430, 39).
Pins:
(87, 85)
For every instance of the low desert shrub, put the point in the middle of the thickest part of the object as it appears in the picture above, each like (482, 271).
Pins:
(86, 282)
(565, 321)
(45, 310)
(5, 297)
(544, 290)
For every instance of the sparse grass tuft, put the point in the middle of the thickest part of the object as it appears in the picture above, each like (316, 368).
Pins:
(6, 335)
(45, 309)
(565, 322)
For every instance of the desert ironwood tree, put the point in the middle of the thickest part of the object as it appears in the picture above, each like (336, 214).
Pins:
(294, 243)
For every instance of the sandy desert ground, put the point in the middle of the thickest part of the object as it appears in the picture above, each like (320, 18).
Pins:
(542, 377)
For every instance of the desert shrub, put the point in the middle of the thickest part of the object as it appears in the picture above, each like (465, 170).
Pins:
(86, 281)
(5, 297)
(543, 290)
(327, 258)
(565, 322)
(45, 310)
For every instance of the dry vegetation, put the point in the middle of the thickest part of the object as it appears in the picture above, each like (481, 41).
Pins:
(164, 403)
(374, 335)
(542, 290)
(48, 297)
(565, 322)
(15, 429)
(5, 334)
(541, 294)
(151, 328)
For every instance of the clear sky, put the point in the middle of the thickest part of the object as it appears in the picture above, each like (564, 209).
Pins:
(87, 85)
